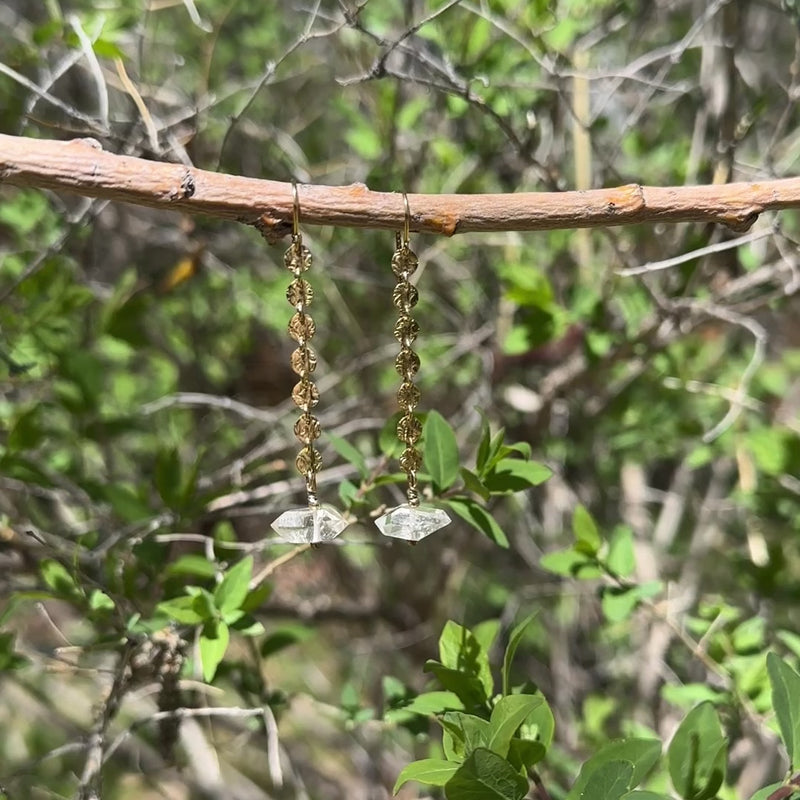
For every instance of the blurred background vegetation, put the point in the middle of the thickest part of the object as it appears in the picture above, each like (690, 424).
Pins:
(147, 438)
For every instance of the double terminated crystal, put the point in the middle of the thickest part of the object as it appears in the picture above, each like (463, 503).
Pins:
(412, 523)
(309, 525)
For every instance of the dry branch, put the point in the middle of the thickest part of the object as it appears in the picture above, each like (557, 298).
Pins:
(81, 166)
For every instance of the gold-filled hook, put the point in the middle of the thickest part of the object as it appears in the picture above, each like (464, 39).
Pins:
(295, 211)
(407, 221)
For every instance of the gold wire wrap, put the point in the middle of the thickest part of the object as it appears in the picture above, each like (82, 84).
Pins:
(303, 360)
(405, 297)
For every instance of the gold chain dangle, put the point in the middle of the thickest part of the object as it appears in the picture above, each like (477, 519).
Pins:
(315, 523)
(409, 521)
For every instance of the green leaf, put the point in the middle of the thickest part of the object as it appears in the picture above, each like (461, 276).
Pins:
(9, 659)
(619, 602)
(452, 744)
(350, 454)
(203, 602)
(365, 139)
(769, 447)
(767, 793)
(483, 454)
(347, 493)
(87, 372)
(108, 49)
(515, 475)
(181, 609)
(284, 637)
(470, 731)
(233, 588)
(462, 650)
(690, 694)
(432, 771)
(485, 634)
(540, 725)
(167, 476)
(514, 640)
(256, 597)
(474, 484)
(496, 451)
(100, 601)
(791, 640)
(697, 754)
(477, 516)
(523, 448)
(57, 577)
(28, 430)
(639, 794)
(610, 781)
(245, 624)
(192, 564)
(570, 564)
(486, 776)
(642, 754)
(786, 702)
(585, 530)
(127, 505)
(452, 641)
(507, 716)
(523, 754)
(429, 703)
(748, 637)
(213, 644)
(440, 451)
(621, 559)
(469, 689)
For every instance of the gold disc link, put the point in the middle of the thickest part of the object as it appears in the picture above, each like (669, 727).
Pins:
(305, 394)
(408, 396)
(304, 361)
(299, 294)
(409, 428)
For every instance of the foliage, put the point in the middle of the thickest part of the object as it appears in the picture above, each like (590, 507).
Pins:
(618, 452)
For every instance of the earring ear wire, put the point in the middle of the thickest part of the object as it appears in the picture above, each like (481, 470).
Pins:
(409, 521)
(315, 523)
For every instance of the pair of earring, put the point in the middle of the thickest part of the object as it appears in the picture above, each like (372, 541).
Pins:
(318, 522)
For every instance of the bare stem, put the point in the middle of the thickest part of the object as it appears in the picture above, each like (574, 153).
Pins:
(81, 166)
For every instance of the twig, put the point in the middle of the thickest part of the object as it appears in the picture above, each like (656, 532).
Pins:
(273, 565)
(91, 124)
(80, 166)
(94, 68)
(89, 786)
(655, 266)
(273, 748)
(269, 73)
(180, 714)
(130, 88)
(210, 400)
(759, 333)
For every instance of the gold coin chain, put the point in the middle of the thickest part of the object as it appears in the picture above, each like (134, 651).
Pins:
(405, 297)
(304, 361)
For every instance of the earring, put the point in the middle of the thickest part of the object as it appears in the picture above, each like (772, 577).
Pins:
(409, 521)
(315, 523)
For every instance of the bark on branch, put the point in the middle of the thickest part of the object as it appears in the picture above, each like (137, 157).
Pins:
(80, 166)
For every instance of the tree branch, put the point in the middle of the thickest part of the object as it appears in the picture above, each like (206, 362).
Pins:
(80, 166)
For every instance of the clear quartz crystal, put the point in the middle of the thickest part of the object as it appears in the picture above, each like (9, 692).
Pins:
(413, 524)
(309, 525)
